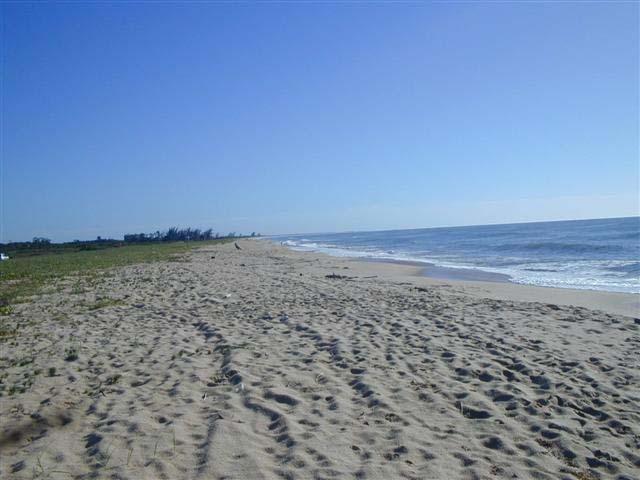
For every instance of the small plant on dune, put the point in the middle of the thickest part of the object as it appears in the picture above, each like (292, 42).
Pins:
(52, 371)
(25, 361)
(583, 475)
(5, 308)
(71, 353)
(106, 456)
(78, 289)
(112, 379)
(39, 471)
(7, 332)
(217, 379)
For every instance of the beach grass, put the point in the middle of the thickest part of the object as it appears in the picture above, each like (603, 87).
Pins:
(23, 276)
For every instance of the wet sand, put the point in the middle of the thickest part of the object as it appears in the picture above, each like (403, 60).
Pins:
(265, 363)
(497, 286)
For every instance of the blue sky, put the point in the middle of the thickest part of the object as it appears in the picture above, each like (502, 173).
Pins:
(282, 117)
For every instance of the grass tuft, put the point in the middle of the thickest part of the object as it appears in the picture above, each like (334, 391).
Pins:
(71, 354)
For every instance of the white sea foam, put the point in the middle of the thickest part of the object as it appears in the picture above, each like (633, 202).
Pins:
(586, 275)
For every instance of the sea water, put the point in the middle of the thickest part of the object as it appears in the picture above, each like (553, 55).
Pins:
(601, 254)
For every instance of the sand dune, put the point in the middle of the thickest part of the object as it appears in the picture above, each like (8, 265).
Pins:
(267, 364)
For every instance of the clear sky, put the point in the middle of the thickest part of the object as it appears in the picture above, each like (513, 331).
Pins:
(282, 117)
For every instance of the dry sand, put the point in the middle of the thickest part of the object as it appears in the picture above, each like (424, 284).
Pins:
(257, 365)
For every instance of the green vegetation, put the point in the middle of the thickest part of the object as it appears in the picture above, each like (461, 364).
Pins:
(43, 246)
(113, 379)
(30, 269)
(175, 234)
(5, 308)
(6, 332)
(71, 353)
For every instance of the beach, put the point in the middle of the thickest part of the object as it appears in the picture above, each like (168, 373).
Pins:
(268, 363)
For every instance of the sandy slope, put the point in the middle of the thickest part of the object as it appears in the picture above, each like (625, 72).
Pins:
(254, 364)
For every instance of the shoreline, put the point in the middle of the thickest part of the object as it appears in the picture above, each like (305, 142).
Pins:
(436, 272)
(439, 272)
(497, 288)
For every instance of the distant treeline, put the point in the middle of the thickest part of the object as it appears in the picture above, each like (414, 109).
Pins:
(42, 245)
(175, 234)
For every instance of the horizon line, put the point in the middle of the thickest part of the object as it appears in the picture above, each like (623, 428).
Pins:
(455, 226)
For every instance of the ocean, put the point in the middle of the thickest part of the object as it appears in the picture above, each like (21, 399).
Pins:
(601, 254)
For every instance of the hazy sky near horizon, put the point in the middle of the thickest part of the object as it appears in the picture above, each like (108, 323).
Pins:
(283, 118)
